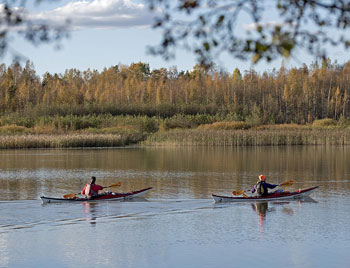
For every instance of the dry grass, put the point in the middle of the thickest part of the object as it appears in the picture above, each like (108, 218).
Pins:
(69, 132)
(197, 137)
(283, 127)
(324, 123)
(67, 141)
(13, 129)
(224, 126)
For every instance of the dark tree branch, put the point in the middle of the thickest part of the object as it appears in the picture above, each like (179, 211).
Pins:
(14, 20)
(208, 28)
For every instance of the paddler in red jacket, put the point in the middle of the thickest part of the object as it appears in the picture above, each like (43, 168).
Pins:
(91, 189)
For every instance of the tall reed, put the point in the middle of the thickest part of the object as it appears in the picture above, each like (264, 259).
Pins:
(251, 137)
(67, 141)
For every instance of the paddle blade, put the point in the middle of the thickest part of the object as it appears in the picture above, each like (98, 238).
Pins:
(238, 192)
(68, 196)
(287, 183)
(115, 185)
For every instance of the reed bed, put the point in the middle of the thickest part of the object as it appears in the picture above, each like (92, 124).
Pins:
(73, 131)
(179, 137)
(15, 123)
(68, 141)
(251, 137)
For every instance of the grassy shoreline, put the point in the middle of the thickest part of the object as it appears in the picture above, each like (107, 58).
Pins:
(233, 138)
(72, 140)
(199, 130)
(179, 137)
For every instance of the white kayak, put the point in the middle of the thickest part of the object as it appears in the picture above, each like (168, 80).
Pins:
(278, 195)
(110, 196)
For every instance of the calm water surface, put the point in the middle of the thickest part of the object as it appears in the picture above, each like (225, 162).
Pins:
(177, 224)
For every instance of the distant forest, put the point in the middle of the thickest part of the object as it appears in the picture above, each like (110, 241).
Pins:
(297, 95)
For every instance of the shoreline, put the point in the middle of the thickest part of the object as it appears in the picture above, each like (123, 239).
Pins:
(178, 138)
(71, 140)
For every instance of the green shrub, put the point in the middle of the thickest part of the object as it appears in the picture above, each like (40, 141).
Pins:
(178, 121)
(148, 124)
(343, 121)
(254, 119)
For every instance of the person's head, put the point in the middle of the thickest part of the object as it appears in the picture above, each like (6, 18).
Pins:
(262, 178)
(93, 179)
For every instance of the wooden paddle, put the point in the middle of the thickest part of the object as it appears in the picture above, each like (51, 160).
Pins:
(238, 192)
(117, 184)
(286, 183)
(283, 184)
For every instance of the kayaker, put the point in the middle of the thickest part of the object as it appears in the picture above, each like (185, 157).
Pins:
(91, 189)
(261, 187)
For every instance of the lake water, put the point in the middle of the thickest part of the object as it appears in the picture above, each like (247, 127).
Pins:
(177, 224)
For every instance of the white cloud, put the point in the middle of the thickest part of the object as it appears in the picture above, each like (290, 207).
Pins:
(97, 14)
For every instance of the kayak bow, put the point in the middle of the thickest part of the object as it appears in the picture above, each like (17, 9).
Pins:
(109, 196)
(273, 196)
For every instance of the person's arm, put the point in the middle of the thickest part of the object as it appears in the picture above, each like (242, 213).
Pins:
(99, 187)
(253, 189)
(83, 191)
(270, 186)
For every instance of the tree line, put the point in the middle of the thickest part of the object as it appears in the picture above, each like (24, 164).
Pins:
(296, 95)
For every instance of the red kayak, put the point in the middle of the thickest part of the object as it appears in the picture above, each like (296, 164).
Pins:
(278, 195)
(109, 196)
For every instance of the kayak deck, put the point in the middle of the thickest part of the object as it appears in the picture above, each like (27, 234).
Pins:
(109, 196)
(273, 196)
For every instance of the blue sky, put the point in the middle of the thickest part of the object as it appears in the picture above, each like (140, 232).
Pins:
(110, 32)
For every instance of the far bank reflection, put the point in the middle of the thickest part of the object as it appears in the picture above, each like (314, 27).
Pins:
(173, 172)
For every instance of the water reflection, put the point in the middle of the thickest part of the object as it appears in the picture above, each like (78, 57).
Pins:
(262, 209)
(178, 226)
(4, 254)
(173, 172)
(90, 212)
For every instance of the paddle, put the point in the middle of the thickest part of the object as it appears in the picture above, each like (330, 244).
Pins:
(283, 184)
(238, 192)
(287, 183)
(117, 184)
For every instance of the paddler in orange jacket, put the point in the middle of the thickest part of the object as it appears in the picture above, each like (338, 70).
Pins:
(91, 189)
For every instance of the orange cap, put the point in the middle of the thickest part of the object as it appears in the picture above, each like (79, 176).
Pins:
(262, 177)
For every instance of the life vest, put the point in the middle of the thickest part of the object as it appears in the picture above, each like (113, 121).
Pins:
(260, 189)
